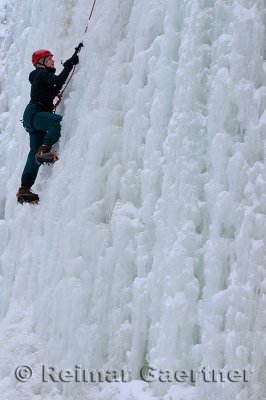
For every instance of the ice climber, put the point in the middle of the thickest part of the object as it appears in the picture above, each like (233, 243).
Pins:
(39, 120)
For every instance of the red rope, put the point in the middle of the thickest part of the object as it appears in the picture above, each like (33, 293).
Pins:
(90, 16)
(60, 95)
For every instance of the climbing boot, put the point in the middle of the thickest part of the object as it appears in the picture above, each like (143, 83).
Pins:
(44, 155)
(25, 195)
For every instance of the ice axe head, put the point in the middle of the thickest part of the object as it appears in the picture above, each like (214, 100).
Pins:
(78, 48)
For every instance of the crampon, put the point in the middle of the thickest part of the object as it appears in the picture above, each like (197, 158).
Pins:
(44, 155)
(46, 159)
(25, 195)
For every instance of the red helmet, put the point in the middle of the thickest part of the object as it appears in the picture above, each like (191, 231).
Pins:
(42, 53)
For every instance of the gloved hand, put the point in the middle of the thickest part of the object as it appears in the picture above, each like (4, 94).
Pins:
(74, 60)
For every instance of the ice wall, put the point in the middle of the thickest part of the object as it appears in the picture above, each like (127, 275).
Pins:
(148, 245)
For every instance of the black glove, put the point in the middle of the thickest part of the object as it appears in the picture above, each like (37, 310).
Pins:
(74, 60)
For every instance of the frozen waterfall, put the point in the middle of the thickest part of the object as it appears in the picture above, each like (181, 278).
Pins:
(147, 248)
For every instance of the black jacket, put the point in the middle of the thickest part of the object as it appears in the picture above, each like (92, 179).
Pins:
(45, 86)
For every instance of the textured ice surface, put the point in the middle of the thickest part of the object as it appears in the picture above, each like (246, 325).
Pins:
(148, 245)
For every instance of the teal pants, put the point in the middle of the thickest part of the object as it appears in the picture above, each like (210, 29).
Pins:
(43, 128)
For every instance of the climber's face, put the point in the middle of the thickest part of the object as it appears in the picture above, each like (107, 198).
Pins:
(49, 62)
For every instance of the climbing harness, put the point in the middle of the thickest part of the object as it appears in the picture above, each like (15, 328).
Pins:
(77, 50)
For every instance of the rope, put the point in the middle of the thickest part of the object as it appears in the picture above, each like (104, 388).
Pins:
(90, 17)
(77, 50)
(60, 95)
